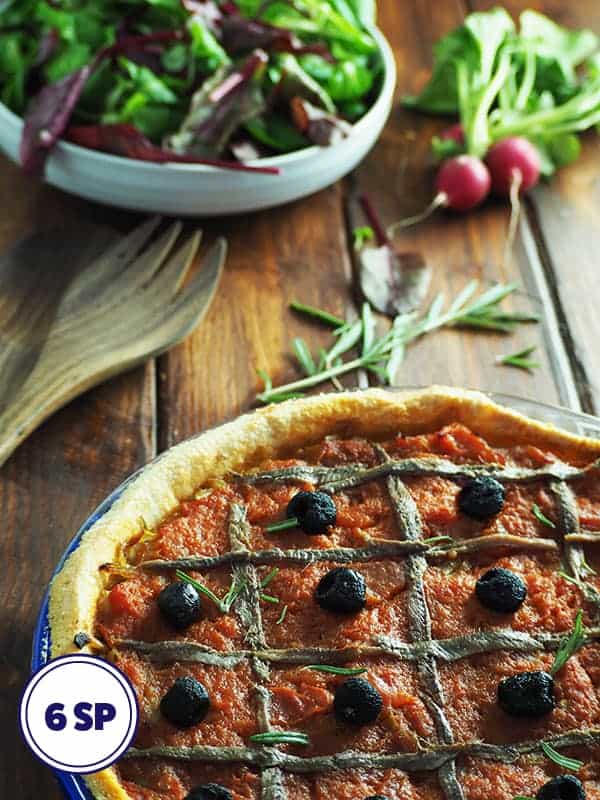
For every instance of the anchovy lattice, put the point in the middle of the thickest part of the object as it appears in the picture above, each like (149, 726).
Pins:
(423, 650)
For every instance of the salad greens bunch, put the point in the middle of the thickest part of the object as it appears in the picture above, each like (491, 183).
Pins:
(186, 79)
(540, 81)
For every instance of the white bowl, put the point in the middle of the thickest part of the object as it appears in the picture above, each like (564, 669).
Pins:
(195, 189)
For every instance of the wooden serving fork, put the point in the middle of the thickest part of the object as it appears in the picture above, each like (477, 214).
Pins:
(75, 311)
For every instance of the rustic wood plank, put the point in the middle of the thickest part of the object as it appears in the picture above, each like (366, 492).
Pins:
(564, 215)
(53, 481)
(295, 252)
(398, 176)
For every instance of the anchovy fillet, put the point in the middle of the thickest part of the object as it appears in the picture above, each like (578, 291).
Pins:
(426, 759)
(408, 521)
(574, 556)
(335, 479)
(346, 555)
(447, 650)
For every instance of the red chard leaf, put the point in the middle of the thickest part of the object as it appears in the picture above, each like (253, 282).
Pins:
(47, 47)
(225, 101)
(393, 282)
(317, 125)
(208, 11)
(47, 118)
(125, 140)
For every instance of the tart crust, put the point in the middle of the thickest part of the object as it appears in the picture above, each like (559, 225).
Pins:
(269, 433)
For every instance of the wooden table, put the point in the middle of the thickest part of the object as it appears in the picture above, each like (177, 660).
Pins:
(301, 251)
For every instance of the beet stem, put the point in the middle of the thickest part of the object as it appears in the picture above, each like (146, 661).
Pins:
(374, 221)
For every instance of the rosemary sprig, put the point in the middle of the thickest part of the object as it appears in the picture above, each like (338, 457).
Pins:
(283, 615)
(336, 670)
(362, 234)
(200, 587)
(568, 578)
(565, 762)
(283, 525)
(269, 577)
(268, 598)
(224, 605)
(520, 359)
(304, 356)
(317, 313)
(569, 645)
(383, 355)
(538, 514)
(283, 737)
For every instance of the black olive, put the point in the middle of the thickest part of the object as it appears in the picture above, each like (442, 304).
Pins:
(343, 590)
(81, 639)
(376, 797)
(315, 511)
(481, 498)
(357, 702)
(564, 787)
(179, 604)
(209, 791)
(527, 694)
(186, 703)
(501, 590)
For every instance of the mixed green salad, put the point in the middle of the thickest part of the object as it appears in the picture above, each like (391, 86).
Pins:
(209, 81)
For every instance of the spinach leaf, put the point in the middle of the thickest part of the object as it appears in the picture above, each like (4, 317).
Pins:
(276, 132)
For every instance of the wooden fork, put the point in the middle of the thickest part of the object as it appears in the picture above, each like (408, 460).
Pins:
(77, 310)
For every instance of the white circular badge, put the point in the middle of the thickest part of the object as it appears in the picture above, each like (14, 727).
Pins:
(79, 713)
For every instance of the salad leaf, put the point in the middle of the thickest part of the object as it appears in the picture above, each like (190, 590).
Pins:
(48, 118)
(220, 107)
(276, 132)
(295, 82)
(317, 125)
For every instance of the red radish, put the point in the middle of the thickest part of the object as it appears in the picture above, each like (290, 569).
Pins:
(462, 183)
(455, 133)
(510, 161)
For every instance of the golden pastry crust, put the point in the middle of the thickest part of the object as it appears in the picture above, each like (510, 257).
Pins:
(269, 433)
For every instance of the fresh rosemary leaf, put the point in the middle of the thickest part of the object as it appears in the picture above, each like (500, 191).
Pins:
(200, 587)
(523, 797)
(569, 645)
(565, 762)
(317, 313)
(336, 670)
(346, 341)
(292, 522)
(234, 591)
(520, 359)
(283, 615)
(304, 356)
(266, 378)
(538, 514)
(568, 578)
(384, 354)
(268, 598)
(268, 578)
(283, 737)
(361, 235)
(368, 328)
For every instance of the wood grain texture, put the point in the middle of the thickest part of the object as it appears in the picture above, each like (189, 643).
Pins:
(54, 480)
(565, 218)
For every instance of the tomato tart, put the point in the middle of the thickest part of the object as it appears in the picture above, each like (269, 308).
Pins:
(363, 595)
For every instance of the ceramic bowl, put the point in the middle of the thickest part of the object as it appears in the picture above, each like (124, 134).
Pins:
(198, 190)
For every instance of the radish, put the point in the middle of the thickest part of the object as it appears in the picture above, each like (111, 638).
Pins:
(455, 133)
(513, 160)
(515, 166)
(462, 183)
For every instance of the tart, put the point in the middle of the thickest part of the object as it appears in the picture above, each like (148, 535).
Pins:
(352, 595)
